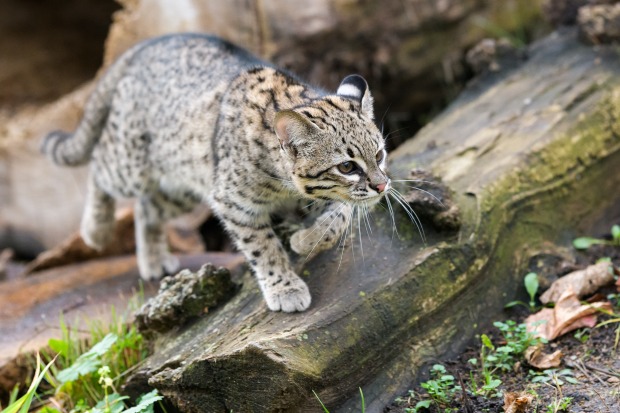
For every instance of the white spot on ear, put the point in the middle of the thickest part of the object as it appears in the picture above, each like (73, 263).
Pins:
(350, 91)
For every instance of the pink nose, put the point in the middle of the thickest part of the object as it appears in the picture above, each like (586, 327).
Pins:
(381, 187)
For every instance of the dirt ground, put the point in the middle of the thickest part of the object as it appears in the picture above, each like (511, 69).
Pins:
(592, 356)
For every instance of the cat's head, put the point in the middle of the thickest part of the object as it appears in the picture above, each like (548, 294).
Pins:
(335, 149)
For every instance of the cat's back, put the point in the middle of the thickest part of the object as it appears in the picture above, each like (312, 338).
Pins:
(188, 60)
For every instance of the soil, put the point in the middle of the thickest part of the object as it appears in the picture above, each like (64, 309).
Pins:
(594, 360)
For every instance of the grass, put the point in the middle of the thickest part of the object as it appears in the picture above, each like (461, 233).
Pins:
(327, 411)
(84, 373)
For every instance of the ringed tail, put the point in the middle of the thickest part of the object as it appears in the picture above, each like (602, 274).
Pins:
(73, 149)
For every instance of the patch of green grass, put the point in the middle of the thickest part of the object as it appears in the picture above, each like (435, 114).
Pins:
(85, 367)
(22, 405)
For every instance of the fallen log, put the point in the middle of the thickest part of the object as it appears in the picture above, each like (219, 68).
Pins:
(532, 155)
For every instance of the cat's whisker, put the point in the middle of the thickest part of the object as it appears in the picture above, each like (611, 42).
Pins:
(428, 193)
(415, 180)
(359, 230)
(410, 212)
(351, 235)
(321, 223)
(394, 229)
(337, 213)
(343, 239)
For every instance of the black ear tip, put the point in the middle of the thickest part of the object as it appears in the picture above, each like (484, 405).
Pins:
(355, 80)
(353, 86)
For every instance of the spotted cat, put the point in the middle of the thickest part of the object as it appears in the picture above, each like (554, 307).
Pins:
(191, 118)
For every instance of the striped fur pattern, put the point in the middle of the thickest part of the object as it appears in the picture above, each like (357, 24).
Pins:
(189, 118)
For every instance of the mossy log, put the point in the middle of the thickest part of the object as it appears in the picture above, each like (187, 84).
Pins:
(533, 157)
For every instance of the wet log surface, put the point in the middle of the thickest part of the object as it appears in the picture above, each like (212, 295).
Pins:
(532, 155)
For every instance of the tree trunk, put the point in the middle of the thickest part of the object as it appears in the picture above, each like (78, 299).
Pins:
(532, 156)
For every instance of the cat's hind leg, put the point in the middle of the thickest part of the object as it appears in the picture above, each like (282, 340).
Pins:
(153, 254)
(97, 228)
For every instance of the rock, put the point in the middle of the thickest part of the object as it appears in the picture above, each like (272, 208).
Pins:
(531, 156)
(184, 296)
(493, 55)
(562, 12)
(429, 197)
(600, 24)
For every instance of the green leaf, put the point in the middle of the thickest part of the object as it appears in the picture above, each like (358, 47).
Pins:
(584, 243)
(146, 402)
(424, 404)
(88, 362)
(48, 409)
(492, 384)
(515, 303)
(22, 405)
(615, 232)
(487, 342)
(363, 401)
(531, 284)
(81, 367)
(322, 405)
(114, 402)
(102, 347)
(58, 346)
(571, 380)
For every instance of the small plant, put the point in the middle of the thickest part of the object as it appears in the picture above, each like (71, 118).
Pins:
(583, 335)
(583, 243)
(554, 376)
(423, 404)
(559, 405)
(489, 382)
(441, 388)
(531, 286)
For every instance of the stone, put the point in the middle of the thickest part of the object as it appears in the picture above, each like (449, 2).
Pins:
(184, 296)
(600, 24)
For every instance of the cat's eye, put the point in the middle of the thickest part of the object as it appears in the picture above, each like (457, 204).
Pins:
(346, 167)
(379, 156)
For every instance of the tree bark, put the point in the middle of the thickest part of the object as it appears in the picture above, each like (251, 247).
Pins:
(532, 155)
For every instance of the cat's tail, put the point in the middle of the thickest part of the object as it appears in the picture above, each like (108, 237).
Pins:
(73, 149)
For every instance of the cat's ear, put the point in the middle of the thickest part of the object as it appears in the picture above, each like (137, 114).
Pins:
(355, 87)
(292, 128)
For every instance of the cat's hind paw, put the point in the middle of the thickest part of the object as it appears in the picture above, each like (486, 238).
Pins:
(290, 296)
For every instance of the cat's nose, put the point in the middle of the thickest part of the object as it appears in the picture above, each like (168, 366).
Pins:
(379, 187)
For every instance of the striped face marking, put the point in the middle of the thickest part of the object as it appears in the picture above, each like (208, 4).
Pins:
(335, 147)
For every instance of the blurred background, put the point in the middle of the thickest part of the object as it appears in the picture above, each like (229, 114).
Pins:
(414, 54)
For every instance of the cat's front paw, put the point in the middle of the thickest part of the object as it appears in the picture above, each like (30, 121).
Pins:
(288, 296)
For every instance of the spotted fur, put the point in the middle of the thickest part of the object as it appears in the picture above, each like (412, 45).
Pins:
(190, 118)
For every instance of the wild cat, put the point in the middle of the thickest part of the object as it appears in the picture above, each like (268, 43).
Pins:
(191, 118)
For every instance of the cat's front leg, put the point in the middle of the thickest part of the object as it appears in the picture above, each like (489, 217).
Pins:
(324, 232)
(252, 232)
